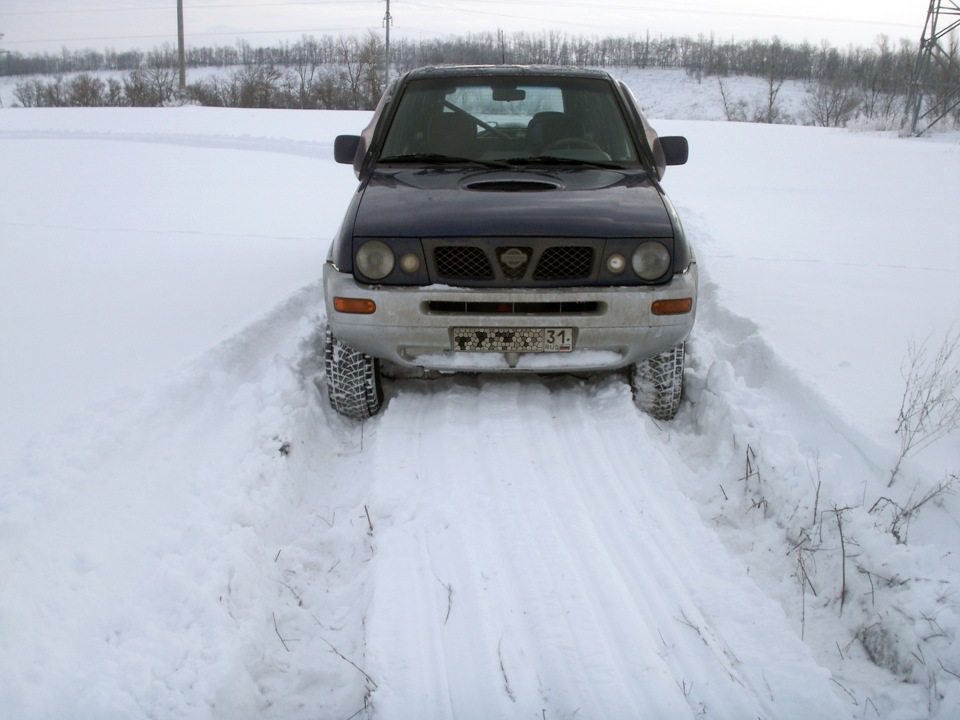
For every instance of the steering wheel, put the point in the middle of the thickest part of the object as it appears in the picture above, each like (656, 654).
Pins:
(486, 126)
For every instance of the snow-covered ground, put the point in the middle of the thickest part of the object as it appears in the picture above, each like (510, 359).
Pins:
(188, 531)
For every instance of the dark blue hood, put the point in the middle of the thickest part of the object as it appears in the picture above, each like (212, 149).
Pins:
(448, 202)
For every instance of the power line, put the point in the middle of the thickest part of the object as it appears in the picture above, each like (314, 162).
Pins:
(454, 8)
(446, 7)
(192, 7)
(161, 36)
(640, 8)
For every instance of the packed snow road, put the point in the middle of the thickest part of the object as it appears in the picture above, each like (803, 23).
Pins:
(534, 556)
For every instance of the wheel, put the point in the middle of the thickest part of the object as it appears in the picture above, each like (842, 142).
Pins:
(353, 379)
(657, 383)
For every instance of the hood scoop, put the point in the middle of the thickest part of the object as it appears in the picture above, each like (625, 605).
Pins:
(512, 185)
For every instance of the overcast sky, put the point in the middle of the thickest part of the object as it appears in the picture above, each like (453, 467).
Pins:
(47, 25)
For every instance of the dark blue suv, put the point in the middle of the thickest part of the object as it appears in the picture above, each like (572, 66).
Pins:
(508, 219)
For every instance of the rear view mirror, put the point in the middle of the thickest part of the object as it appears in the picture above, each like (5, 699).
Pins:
(676, 149)
(508, 94)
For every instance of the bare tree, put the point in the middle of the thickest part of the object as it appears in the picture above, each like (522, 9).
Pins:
(831, 103)
(155, 83)
(26, 93)
(734, 110)
(769, 111)
(361, 61)
(36, 93)
(307, 57)
(84, 90)
(930, 407)
(257, 86)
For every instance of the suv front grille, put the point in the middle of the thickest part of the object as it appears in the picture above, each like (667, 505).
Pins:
(462, 262)
(564, 263)
(546, 262)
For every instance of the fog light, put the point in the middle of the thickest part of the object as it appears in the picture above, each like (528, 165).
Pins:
(616, 263)
(410, 263)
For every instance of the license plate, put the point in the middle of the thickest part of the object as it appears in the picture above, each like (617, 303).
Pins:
(513, 339)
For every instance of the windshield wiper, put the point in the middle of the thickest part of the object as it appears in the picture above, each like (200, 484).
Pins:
(553, 160)
(439, 159)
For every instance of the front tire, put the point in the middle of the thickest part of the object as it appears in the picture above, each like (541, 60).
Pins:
(657, 383)
(353, 379)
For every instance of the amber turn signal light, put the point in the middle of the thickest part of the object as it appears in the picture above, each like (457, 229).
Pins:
(355, 306)
(680, 306)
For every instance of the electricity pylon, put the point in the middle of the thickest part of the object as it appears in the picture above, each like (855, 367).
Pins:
(937, 73)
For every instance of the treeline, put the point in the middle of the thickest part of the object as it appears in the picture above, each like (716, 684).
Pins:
(802, 61)
(348, 72)
(345, 73)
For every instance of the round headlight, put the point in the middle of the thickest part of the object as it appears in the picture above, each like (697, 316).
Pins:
(616, 263)
(375, 259)
(651, 260)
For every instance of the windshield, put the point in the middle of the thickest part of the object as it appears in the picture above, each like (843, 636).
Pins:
(501, 120)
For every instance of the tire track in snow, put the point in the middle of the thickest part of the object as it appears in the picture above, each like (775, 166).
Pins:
(534, 556)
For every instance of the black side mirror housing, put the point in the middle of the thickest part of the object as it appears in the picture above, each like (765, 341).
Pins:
(676, 149)
(345, 148)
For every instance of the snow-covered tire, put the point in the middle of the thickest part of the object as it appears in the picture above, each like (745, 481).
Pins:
(657, 383)
(353, 379)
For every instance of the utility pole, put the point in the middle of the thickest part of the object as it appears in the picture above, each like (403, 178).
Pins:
(387, 22)
(181, 55)
(3, 52)
(937, 71)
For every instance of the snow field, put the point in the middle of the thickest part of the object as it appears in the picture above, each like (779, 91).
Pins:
(187, 530)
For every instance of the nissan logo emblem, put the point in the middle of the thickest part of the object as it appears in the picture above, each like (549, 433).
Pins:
(514, 258)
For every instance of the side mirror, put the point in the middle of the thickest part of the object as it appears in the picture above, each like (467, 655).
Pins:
(345, 148)
(676, 149)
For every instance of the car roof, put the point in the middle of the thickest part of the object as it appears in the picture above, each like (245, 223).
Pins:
(455, 71)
